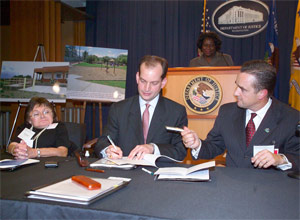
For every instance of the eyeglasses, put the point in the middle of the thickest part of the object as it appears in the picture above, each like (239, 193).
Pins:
(45, 113)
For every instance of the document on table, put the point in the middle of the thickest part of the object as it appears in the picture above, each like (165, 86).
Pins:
(109, 164)
(198, 172)
(11, 164)
(69, 191)
(148, 160)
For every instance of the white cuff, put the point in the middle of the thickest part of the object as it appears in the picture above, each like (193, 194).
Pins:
(156, 149)
(196, 151)
(287, 165)
(103, 152)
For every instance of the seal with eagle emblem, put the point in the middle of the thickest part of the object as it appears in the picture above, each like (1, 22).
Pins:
(202, 94)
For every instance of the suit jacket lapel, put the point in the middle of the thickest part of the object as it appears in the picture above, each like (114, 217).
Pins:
(135, 117)
(157, 120)
(267, 125)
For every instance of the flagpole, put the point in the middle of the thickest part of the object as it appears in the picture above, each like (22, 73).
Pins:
(204, 15)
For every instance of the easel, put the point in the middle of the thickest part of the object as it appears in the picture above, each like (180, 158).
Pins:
(43, 55)
(43, 58)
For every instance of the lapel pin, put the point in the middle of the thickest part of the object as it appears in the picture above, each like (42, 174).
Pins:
(267, 130)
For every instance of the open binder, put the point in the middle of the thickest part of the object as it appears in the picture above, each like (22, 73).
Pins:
(11, 164)
(69, 191)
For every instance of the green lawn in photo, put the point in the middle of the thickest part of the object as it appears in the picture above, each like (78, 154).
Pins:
(114, 83)
(19, 94)
(99, 65)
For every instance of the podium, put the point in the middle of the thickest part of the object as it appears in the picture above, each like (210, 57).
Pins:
(179, 77)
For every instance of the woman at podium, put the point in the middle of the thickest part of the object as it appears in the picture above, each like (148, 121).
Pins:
(209, 46)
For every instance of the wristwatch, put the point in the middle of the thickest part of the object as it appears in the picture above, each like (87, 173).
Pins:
(38, 152)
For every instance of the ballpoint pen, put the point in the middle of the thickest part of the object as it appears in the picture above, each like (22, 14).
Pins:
(147, 171)
(112, 143)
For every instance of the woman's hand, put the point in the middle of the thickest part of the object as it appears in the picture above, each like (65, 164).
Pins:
(20, 150)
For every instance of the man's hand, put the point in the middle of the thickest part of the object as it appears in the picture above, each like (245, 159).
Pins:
(265, 159)
(140, 150)
(190, 138)
(114, 153)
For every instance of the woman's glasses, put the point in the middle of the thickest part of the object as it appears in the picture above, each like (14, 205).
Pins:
(37, 114)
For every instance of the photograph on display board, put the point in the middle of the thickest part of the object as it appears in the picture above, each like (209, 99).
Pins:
(97, 74)
(21, 80)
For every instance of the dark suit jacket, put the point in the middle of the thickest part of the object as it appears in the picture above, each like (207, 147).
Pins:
(277, 127)
(125, 127)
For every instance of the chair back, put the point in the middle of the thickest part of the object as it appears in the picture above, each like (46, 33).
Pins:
(77, 136)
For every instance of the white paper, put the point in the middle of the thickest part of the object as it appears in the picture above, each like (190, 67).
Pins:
(70, 190)
(257, 148)
(199, 175)
(13, 163)
(26, 134)
(106, 163)
(184, 171)
(148, 160)
(52, 126)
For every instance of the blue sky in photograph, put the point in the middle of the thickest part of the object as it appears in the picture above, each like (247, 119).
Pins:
(101, 52)
(12, 68)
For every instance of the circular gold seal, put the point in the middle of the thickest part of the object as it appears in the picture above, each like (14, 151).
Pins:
(202, 94)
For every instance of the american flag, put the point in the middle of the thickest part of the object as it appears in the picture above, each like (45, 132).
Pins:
(209, 7)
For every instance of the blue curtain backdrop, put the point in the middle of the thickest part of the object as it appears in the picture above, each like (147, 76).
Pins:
(170, 29)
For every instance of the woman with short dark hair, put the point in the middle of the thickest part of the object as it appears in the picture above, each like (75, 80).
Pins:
(209, 46)
(50, 138)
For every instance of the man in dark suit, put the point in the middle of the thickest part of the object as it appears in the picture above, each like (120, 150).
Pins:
(125, 125)
(274, 124)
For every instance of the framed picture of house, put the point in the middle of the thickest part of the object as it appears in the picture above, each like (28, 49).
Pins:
(21, 80)
(96, 74)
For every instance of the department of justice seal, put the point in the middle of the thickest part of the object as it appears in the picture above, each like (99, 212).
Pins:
(202, 94)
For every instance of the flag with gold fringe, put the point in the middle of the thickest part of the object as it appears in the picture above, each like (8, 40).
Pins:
(294, 96)
(209, 6)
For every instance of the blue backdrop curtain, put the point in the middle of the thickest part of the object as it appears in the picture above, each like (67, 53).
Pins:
(170, 29)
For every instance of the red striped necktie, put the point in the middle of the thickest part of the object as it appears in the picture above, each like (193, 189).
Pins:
(250, 129)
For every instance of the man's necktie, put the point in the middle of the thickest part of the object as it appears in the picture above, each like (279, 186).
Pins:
(250, 129)
(146, 122)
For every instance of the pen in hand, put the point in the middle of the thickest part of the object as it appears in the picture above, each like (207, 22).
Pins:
(112, 143)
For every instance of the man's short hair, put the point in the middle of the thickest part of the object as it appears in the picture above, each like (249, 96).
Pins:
(264, 73)
(153, 61)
